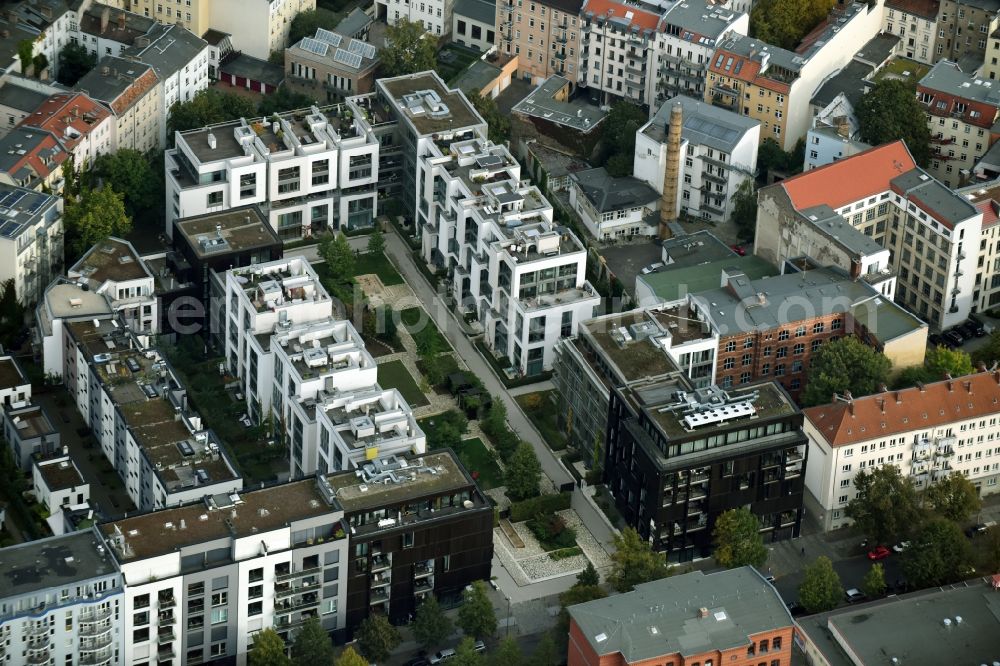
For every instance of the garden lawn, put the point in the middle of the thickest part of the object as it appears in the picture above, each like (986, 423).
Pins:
(395, 375)
(540, 408)
(380, 265)
(412, 318)
(479, 461)
(456, 63)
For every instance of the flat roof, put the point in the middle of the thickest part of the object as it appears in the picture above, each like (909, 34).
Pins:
(354, 495)
(911, 628)
(948, 77)
(10, 373)
(878, 49)
(664, 617)
(117, 82)
(933, 197)
(111, 259)
(634, 358)
(840, 232)
(700, 22)
(481, 11)
(52, 563)
(218, 517)
(670, 283)
(59, 474)
(849, 81)
(32, 421)
(695, 249)
(21, 98)
(254, 69)
(171, 48)
(67, 299)
(233, 230)
(460, 113)
(476, 76)
(542, 103)
(703, 124)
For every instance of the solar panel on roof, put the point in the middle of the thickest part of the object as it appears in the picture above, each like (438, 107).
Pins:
(10, 229)
(331, 38)
(38, 203)
(347, 58)
(314, 46)
(14, 198)
(363, 49)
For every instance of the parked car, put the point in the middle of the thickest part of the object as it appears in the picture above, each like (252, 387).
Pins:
(954, 337)
(442, 655)
(980, 324)
(902, 546)
(739, 249)
(417, 661)
(878, 553)
(854, 595)
(935, 340)
(980, 528)
(479, 646)
(795, 608)
(652, 268)
(967, 329)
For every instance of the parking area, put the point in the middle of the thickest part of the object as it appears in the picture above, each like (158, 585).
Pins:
(626, 259)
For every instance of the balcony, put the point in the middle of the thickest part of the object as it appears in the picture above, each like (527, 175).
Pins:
(297, 574)
(166, 618)
(380, 581)
(378, 596)
(423, 570)
(165, 634)
(380, 563)
(196, 606)
(96, 659)
(94, 644)
(167, 601)
(698, 478)
(92, 629)
(308, 600)
(165, 652)
(423, 586)
(95, 614)
(41, 657)
(37, 629)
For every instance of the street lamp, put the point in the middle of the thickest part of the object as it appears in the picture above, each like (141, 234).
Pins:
(508, 614)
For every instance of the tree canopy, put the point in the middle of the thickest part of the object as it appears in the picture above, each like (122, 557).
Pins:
(886, 508)
(208, 107)
(634, 561)
(476, 616)
(377, 638)
(338, 256)
(268, 650)
(989, 353)
(737, 539)
(523, 473)
(431, 626)
(618, 137)
(349, 657)
(953, 497)
(940, 555)
(466, 655)
(305, 23)
(312, 645)
(588, 577)
(938, 361)
(745, 210)
(499, 124)
(376, 242)
(785, 22)
(890, 111)
(132, 173)
(75, 60)
(11, 314)
(845, 364)
(407, 49)
(283, 99)
(507, 653)
(820, 589)
(771, 157)
(95, 216)
(873, 584)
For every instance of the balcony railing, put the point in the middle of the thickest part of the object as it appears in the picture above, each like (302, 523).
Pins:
(93, 644)
(95, 614)
(92, 629)
(41, 657)
(378, 596)
(298, 574)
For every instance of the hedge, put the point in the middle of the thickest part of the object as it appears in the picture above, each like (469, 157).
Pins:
(530, 508)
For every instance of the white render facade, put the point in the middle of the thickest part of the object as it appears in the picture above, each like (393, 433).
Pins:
(962, 435)
(259, 27)
(31, 253)
(917, 31)
(435, 15)
(296, 167)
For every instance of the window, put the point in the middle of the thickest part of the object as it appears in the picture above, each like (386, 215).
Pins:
(845, 483)
(729, 364)
(782, 335)
(220, 615)
(842, 499)
(256, 608)
(220, 598)
(140, 635)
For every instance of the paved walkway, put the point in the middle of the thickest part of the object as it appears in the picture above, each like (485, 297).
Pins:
(399, 252)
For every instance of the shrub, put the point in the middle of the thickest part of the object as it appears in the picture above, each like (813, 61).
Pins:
(530, 508)
(552, 532)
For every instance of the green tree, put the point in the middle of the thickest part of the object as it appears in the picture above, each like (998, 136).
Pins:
(446, 429)
(578, 594)
(891, 111)
(588, 577)
(350, 658)
(268, 650)
(508, 653)
(305, 23)
(618, 136)
(546, 653)
(938, 361)
(409, 49)
(820, 589)
(785, 22)
(283, 99)
(523, 473)
(26, 53)
(940, 552)
(476, 616)
(131, 173)
(208, 107)
(771, 157)
(499, 123)
(619, 165)
(431, 626)
(312, 645)
(954, 498)
(466, 655)
(338, 256)
(846, 364)
(97, 215)
(376, 242)
(39, 63)
(634, 561)
(873, 584)
(886, 508)
(989, 549)
(989, 353)
(737, 539)
(745, 210)
(75, 60)
(11, 315)
(377, 638)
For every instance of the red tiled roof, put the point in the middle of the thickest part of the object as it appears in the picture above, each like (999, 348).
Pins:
(894, 412)
(846, 181)
(68, 110)
(988, 208)
(611, 9)
(749, 71)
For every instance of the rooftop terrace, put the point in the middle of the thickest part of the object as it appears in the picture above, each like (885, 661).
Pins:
(280, 283)
(30, 421)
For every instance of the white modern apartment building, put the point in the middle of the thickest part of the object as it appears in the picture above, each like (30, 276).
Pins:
(308, 170)
(929, 432)
(31, 240)
(139, 414)
(258, 28)
(508, 263)
(915, 22)
(203, 578)
(931, 233)
(114, 268)
(180, 61)
(61, 601)
(434, 15)
(719, 153)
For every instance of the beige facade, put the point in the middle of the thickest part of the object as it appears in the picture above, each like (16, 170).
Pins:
(192, 14)
(915, 22)
(964, 28)
(545, 37)
(324, 78)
